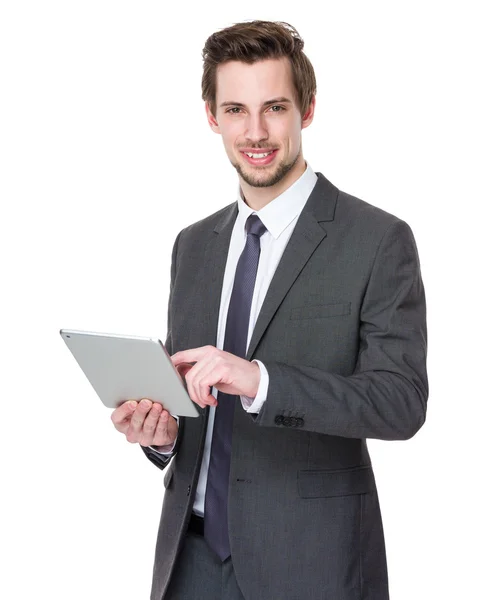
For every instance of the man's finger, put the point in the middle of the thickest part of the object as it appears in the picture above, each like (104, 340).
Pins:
(201, 393)
(138, 417)
(191, 378)
(120, 416)
(189, 356)
(184, 368)
(149, 425)
(207, 377)
(203, 387)
(161, 437)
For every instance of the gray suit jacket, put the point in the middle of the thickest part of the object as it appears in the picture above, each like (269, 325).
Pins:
(342, 333)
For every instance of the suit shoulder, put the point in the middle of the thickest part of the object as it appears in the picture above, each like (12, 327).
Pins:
(355, 212)
(207, 224)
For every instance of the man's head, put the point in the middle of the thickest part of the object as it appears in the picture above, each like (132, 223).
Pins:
(259, 89)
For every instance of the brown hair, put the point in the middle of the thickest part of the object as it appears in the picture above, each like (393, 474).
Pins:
(253, 41)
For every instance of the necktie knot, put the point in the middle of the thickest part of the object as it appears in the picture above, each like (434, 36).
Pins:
(255, 226)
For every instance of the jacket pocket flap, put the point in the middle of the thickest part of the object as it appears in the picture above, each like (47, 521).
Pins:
(342, 482)
(321, 310)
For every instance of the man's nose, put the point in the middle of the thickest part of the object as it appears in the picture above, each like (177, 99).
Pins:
(256, 128)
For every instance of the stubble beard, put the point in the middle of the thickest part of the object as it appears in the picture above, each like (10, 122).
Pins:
(260, 180)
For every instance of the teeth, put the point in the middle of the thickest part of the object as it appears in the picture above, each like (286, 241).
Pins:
(258, 155)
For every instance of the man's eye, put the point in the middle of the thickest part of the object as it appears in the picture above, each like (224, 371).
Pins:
(236, 108)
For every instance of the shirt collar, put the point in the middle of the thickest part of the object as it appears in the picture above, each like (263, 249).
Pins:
(282, 210)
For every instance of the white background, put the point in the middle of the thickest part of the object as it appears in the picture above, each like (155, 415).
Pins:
(105, 154)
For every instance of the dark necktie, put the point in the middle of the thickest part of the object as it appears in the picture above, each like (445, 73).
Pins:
(235, 339)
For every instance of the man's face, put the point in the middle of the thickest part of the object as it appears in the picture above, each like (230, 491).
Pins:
(257, 111)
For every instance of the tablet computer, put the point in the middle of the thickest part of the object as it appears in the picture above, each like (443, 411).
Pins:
(126, 367)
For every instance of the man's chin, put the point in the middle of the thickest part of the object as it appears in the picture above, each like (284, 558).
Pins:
(258, 179)
(262, 176)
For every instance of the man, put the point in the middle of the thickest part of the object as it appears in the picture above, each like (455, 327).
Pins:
(297, 319)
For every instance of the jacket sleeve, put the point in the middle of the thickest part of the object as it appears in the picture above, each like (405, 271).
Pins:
(385, 397)
(158, 459)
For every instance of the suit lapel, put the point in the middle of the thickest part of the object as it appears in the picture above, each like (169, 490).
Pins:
(306, 237)
(215, 256)
(210, 284)
(304, 240)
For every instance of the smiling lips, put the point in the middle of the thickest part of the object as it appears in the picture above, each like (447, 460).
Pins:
(259, 157)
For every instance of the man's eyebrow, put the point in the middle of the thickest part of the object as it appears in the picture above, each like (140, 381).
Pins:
(280, 99)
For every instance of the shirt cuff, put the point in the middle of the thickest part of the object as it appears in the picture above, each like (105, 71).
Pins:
(254, 405)
(167, 449)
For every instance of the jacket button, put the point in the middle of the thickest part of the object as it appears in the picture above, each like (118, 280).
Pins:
(286, 422)
(279, 420)
(294, 422)
(300, 422)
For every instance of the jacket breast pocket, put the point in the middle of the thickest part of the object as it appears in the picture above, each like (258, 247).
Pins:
(321, 310)
(339, 482)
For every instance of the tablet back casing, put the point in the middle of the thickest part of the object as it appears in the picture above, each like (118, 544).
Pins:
(122, 368)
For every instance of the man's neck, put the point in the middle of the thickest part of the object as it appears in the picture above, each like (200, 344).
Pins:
(258, 197)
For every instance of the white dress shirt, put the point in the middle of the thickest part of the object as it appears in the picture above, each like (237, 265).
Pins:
(279, 217)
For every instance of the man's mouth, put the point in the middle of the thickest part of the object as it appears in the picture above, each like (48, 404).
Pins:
(259, 157)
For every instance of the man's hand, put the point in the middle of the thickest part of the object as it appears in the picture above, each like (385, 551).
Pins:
(228, 373)
(145, 423)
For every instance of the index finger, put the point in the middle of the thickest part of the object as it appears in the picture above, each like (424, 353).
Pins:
(188, 356)
(123, 411)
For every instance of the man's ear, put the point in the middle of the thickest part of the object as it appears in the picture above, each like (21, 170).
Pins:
(309, 115)
(211, 119)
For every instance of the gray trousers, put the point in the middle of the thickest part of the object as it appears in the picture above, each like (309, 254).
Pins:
(200, 575)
